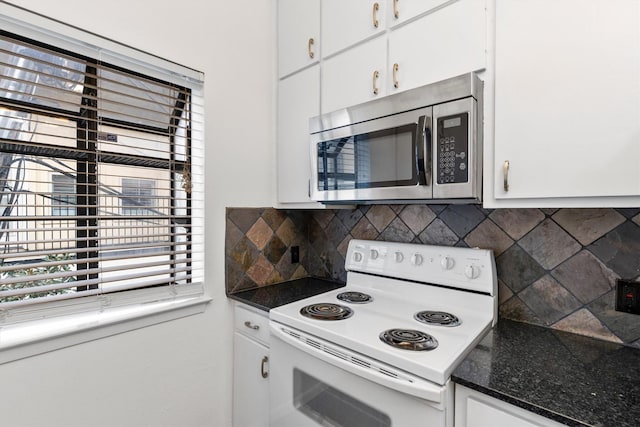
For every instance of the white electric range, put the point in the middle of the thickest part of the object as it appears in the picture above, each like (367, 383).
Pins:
(380, 351)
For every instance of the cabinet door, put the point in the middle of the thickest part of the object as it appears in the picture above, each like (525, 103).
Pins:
(399, 11)
(446, 43)
(298, 100)
(250, 387)
(348, 78)
(567, 99)
(345, 23)
(298, 34)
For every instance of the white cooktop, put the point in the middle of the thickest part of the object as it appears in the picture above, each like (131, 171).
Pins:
(395, 302)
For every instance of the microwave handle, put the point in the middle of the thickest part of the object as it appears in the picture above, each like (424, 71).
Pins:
(423, 150)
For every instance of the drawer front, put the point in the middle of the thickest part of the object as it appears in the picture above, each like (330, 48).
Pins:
(252, 324)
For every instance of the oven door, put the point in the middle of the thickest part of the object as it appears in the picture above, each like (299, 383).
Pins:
(315, 383)
(383, 159)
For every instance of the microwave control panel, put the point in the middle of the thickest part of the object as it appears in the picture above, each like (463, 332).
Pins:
(453, 149)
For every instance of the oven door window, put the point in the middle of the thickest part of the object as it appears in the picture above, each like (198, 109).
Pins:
(385, 158)
(331, 407)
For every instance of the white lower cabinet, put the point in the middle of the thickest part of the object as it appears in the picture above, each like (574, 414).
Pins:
(250, 368)
(475, 409)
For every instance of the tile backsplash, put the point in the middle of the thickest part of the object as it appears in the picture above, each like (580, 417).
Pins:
(556, 267)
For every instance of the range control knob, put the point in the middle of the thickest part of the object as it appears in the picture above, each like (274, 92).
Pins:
(447, 263)
(357, 256)
(471, 271)
(416, 259)
(373, 254)
(398, 257)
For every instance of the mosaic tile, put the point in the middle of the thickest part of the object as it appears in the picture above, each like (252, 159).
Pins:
(417, 217)
(380, 216)
(245, 284)
(285, 267)
(260, 233)
(636, 219)
(549, 244)
(549, 300)
(585, 323)
(364, 230)
(620, 250)
(437, 233)
(585, 276)
(243, 218)
(549, 211)
(349, 217)
(275, 277)
(344, 245)
(517, 269)
(300, 273)
(287, 231)
(232, 237)
(504, 293)
(517, 222)
(515, 309)
(245, 253)
(274, 217)
(323, 217)
(488, 235)
(260, 271)
(234, 273)
(274, 250)
(628, 212)
(336, 231)
(588, 225)
(624, 325)
(462, 218)
(397, 208)
(397, 231)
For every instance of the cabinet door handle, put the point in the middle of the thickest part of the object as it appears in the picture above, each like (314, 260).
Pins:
(263, 371)
(250, 325)
(376, 74)
(376, 7)
(505, 171)
(396, 83)
(310, 48)
(396, 11)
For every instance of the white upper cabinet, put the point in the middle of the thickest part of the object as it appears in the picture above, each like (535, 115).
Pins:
(298, 100)
(355, 76)
(298, 35)
(445, 43)
(400, 11)
(567, 103)
(345, 23)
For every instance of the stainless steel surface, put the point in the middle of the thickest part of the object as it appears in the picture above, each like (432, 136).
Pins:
(432, 94)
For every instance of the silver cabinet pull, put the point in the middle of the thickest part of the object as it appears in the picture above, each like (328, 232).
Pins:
(250, 325)
(396, 11)
(505, 171)
(310, 48)
(376, 74)
(376, 7)
(263, 371)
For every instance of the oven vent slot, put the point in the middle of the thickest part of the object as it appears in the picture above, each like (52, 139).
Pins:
(349, 356)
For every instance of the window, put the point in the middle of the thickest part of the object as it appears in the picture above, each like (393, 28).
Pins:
(100, 172)
(63, 195)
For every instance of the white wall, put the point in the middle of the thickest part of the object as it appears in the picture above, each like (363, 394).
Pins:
(178, 373)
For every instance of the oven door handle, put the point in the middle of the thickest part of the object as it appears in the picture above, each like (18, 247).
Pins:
(357, 364)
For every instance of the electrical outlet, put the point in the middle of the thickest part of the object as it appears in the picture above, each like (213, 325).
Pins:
(628, 296)
(295, 254)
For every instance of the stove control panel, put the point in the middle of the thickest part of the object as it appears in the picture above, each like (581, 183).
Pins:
(468, 268)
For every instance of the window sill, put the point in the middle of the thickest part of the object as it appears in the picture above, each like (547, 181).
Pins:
(26, 333)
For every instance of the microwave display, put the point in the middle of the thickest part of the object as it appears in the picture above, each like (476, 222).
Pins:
(383, 158)
(453, 149)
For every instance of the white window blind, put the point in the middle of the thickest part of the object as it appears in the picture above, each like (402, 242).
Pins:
(101, 176)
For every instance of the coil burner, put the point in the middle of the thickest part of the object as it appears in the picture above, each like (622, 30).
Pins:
(409, 339)
(437, 318)
(355, 297)
(326, 311)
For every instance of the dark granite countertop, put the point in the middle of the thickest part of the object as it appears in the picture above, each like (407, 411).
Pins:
(268, 297)
(569, 378)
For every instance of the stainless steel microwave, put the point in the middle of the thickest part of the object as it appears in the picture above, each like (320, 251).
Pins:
(422, 145)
